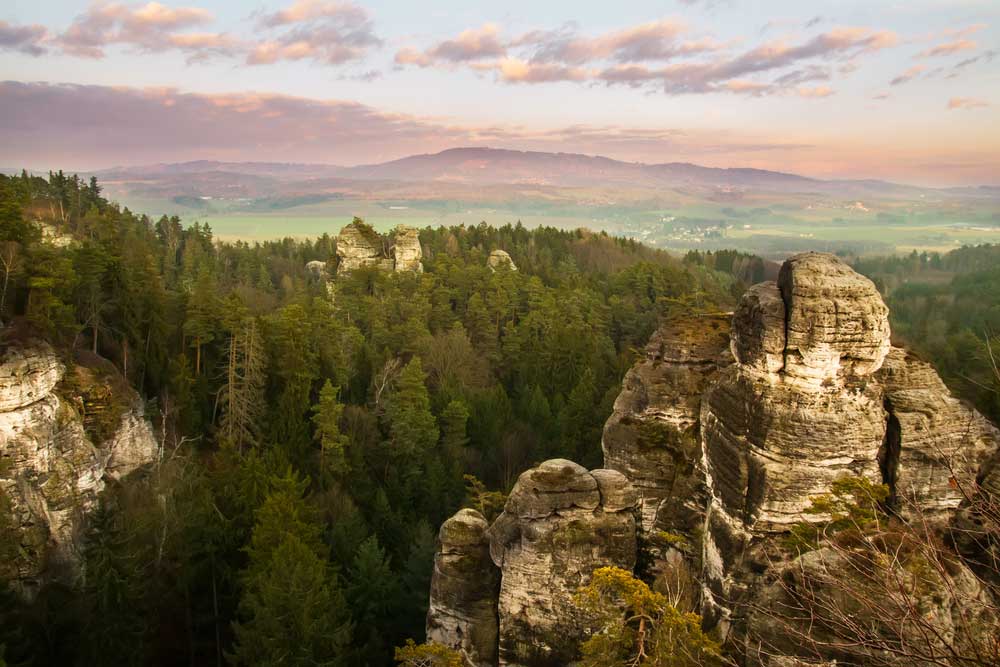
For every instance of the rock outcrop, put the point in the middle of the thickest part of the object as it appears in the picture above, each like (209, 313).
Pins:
(50, 467)
(559, 524)
(406, 251)
(723, 435)
(499, 258)
(359, 245)
(932, 439)
(653, 436)
(464, 586)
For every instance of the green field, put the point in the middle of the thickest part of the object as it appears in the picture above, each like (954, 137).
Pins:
(765, 225)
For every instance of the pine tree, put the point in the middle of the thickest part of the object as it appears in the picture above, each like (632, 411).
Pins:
(292, 610)
(326, 418)
(411, 423)
(202, 315)
(374, 594)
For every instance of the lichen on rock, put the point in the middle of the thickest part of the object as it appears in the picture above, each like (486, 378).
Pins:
(53, 470)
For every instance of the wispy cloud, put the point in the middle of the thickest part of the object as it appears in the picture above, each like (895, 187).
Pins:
(23, 38)
(330, 33)
(657, 54)
(325, 32)
(469, 45)
(908, 75)
(967, 103)
(949, 48)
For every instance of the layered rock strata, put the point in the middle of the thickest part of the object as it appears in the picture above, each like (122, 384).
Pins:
(559, 524)
(50, 469)
(464, 587)
(358, 245)
(406, 251)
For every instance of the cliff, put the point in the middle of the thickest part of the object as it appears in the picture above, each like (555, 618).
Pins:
(725, 432)
(62, 437)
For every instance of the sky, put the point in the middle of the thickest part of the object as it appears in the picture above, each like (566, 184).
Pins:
(905, 90)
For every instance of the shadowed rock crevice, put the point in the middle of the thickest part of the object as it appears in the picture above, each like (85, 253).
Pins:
(888, 455)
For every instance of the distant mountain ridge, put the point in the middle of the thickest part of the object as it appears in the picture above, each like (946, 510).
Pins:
(476, 165)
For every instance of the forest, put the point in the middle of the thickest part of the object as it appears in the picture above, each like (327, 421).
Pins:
(316, 432)
(946, 308)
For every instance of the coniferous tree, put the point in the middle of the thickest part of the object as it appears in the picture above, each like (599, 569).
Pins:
(292, 609)
(333, 444)
(411, 423)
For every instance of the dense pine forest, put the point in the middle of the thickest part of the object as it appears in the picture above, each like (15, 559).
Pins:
(315, 432)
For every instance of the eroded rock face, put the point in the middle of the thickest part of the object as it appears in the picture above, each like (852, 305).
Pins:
(406, 251)
(812, 392)
(464, 586)
(555, 530)
(358, 245)
(560, 523)
(653, 435)
(499, 258)
(723, 434)
(937, 444)
(49, 467)
(836, 323)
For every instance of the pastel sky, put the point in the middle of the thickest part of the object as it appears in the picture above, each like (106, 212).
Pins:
(907, 90)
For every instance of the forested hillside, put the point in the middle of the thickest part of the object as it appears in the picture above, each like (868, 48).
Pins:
(947, 308)
(315, 433)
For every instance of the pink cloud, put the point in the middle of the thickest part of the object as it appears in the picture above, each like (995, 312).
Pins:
(512, 70)
(330, 33)
(26, 39)
(908, 75)
(150, 27)
(621, 58)
(949, 48)
(967, 103)
(815, 92)
(469, 45)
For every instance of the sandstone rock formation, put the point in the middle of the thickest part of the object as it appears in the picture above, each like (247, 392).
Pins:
(463, 607)
(724, 433)
(653, 436)
(500, 258)
(359, 245)
(933, 440)
(50, 468)
(559, 524)
(406, 251)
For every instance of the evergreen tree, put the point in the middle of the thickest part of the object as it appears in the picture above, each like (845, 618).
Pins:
(411, 423)
(292, 610)
(333, 444)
